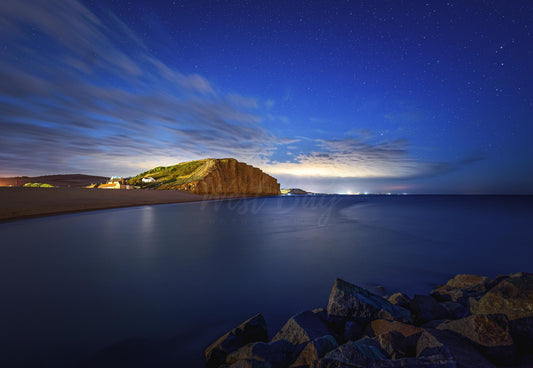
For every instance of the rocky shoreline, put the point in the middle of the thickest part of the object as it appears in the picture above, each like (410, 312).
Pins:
(471, 321)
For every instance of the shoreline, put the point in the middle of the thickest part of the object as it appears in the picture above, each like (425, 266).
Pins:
(471, 321)
(19, 203)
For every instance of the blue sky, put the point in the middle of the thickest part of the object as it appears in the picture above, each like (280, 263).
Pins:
(343, 96)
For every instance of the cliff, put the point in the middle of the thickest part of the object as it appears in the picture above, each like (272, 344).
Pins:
(210, 177)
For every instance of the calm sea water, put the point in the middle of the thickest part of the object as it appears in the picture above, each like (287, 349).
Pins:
(153, 285)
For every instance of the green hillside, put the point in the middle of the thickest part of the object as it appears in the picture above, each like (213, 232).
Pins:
(171, 176)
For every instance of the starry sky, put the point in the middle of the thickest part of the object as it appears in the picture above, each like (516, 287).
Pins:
(330, 96)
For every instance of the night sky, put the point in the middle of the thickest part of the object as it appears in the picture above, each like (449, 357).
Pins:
(330, 96)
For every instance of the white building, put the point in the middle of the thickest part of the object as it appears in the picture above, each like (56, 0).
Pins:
(148, 180)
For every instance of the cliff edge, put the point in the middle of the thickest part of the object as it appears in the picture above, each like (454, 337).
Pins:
(210, 177)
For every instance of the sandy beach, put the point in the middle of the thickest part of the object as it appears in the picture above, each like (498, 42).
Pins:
(20, 202)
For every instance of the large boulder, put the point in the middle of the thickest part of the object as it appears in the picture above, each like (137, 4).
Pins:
(251, 330)
(449, 347)
(455, 310)
(522, 332)
(400, 299)
(392, 344)
(321, 313)
(381, 326)
(398, 339)
(303, 327)
(462, 287)
(513, 296)
(279, 354)
(356, 353)
(489, 333)
(314, 350)
(249, 363)
(426, 308)
(348, 302)
(352, 331)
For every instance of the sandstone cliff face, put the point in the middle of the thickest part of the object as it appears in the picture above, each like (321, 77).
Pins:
(229, 176)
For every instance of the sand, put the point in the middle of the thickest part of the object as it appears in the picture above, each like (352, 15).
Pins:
(20, 202)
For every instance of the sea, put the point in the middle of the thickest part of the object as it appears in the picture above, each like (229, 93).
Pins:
(152, 286)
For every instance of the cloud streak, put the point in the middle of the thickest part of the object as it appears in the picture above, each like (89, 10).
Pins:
(82, 93)
(353, 158)
(82, 97)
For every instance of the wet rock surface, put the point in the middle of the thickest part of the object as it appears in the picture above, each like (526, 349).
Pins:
(251, 330)
(471, 321)
(489, 333)
(351, 302)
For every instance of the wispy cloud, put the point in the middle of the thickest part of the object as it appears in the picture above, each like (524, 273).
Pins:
(80, 93)
(353, 158)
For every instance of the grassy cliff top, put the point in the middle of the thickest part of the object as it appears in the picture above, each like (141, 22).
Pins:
(172, 176)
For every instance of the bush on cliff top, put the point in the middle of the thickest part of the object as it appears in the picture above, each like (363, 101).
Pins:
(38, 185)
(174, 175)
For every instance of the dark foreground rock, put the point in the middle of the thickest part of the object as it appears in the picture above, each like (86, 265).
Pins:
(351, 302)
(489, 333)
(303, 327)
(461, 288)
(358, 353)
(469, 322)
(443, 344)
(512, 296)
(316, 349)
(277, 354)
(251, 330)
(425, 309)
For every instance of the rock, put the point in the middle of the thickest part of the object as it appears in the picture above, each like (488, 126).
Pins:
(332, 363)
(489, 333)
(371, 341)
(393, 343)
(377, 289)
(251, 330)
(434, 324)
(462, 287)
(513, 296)
(390, 344)
(455, 310)
(471, 282)
(522, 333)
(321, 313)
(356, 353)
(348, 302)
(303, 327)
(381, 326)
(449, 347)
(352, 331)
(400, 299)
(316, 349)
(278, 354)
(397, 339)
(250, 363)
(434, 361)
(426, 308)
